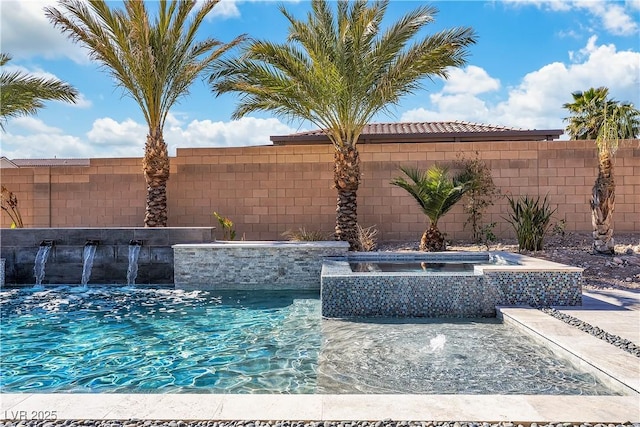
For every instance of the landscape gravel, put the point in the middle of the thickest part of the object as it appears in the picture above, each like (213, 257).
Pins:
(621, 343)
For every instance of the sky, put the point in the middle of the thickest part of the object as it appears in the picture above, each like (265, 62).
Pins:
(530, 56)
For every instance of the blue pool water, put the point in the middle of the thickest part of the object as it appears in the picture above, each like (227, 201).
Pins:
(129, 340)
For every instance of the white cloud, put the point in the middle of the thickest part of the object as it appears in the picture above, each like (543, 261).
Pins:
(43, 141)
(110, 138)
(26, 32)
(225, 9)
(32, 124)
(108, 132)
(615, 17)
(243, 132)
(536, 102)
(470, 80)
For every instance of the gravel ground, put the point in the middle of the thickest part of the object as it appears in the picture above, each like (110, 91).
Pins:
(621, 271)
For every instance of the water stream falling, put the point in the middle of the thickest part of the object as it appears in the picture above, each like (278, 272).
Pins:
(134, 253)
(41, 260)
(88, 253)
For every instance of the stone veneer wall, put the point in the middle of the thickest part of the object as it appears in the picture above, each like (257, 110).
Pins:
(532, 282)
(252, 265)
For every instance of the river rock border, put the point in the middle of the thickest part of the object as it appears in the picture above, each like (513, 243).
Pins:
(293, 423)
(618, 341)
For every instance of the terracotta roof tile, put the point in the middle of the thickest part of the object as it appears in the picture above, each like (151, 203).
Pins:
(421, 128)
(428, 132)
(35, 163)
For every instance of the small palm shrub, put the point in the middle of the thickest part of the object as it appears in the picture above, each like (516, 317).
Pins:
(304, 235)
(530, 218)
(436, 192)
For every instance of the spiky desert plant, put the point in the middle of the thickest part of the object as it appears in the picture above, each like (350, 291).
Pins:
(530, 218)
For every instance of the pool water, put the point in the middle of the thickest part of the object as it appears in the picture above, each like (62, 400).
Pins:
(134, 340)
(412, 267)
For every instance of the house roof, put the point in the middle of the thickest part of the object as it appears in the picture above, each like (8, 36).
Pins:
(36, 163)
(452, 131)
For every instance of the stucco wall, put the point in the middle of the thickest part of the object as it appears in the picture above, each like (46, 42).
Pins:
(268, 190)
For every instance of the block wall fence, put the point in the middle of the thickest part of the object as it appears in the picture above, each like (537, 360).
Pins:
(268, 190)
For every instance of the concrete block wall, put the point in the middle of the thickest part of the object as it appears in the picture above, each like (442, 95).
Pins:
(268, 190)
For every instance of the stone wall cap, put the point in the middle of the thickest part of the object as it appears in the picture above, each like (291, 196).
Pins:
(266, 244)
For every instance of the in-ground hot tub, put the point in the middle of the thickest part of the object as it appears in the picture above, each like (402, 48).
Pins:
(443, 284)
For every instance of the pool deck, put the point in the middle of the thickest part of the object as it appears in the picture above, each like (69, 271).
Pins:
(615, 311)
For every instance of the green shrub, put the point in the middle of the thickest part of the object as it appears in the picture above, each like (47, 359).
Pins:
(479, 197)
(530, 218)
(228, 232)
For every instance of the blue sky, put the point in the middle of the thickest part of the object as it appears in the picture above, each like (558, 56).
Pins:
(530, 56)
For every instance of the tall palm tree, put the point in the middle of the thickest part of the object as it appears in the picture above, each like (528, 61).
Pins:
(606, 121)
(337, 70)
(436, 193)
(23, 94)
(154, 62)
(587, 112)
(622, 121)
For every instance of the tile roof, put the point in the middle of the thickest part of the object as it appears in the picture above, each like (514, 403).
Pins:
(428, 131)
(35, 163)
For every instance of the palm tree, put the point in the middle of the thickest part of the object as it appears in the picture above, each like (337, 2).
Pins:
(622, 121)
(607, 121)
(337, 72)
(22, 94)
(436, 193)
(154, 62)
(587, 113)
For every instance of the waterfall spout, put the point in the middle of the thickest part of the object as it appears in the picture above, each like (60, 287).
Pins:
(134, 253)
(41, 260)
(88, 253)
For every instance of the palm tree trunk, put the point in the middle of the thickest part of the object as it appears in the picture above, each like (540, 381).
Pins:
(346, 172)
(602, 205)
(432, 240)
(156, 172)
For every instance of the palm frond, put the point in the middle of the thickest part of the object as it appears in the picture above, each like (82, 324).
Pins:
(154, 61)
(434, 190)
(22, 94)
(339, 66)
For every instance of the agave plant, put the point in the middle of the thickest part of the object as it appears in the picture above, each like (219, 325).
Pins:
(530, 218)
(436, 193)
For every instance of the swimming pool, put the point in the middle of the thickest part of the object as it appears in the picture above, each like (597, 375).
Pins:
(142, 340)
